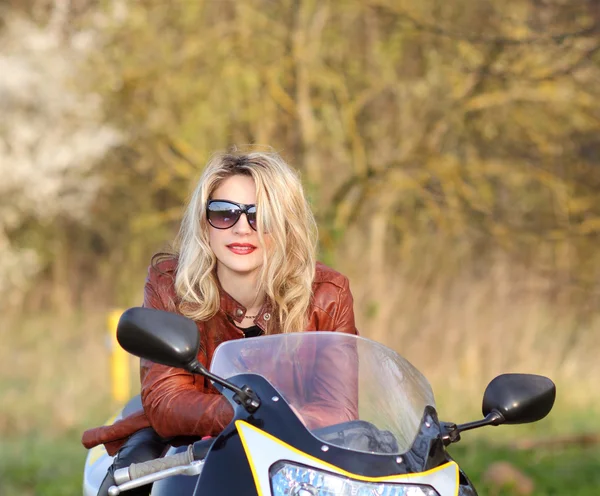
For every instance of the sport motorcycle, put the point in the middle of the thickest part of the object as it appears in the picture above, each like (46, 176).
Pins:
(315, 414)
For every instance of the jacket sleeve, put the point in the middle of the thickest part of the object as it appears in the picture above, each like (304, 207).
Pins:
(334, 395)
(176, 402)
(344, 312)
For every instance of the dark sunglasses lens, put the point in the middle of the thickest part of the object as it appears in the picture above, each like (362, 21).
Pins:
(251, 214)
(223, 215)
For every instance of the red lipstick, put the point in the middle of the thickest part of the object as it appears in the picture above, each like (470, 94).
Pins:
(241, 248)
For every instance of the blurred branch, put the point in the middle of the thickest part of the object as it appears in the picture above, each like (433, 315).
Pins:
(584, 59)
(556, 38)
(478, 77)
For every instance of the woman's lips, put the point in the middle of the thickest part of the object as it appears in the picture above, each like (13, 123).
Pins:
(241, 248)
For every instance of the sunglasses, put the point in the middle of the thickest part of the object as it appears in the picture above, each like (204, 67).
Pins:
(223, 214)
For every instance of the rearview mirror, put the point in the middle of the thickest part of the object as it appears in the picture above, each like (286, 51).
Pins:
(162, 337)
(520, 398)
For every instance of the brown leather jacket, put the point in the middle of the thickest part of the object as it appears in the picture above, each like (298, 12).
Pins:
(177, 403)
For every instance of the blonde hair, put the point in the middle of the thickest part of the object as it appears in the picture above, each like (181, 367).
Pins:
(288, 268)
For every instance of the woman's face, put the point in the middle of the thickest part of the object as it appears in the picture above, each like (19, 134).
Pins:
(237, 249)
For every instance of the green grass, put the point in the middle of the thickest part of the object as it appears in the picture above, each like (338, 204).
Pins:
(569, 471)
(41, 466)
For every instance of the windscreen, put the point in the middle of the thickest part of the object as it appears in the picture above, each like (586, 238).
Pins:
(349, 391)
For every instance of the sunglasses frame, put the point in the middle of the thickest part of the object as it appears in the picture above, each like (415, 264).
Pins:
(243, 210)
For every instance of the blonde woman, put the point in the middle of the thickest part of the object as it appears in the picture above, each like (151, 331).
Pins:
(243, 265)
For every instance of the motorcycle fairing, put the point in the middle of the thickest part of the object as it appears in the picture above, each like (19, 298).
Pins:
(96, 465)
(264, 450)
(277, 419)
(227, 455)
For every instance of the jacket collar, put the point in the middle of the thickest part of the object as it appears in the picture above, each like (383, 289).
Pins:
(236, 311)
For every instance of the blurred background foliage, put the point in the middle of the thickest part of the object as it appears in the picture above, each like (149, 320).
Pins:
(451, 152)
(471, 122)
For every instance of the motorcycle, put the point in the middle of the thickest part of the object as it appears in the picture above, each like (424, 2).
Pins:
(315, 414)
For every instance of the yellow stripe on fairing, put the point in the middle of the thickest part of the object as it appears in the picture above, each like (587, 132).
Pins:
(239, 423)
(95, 453)
(336, 470)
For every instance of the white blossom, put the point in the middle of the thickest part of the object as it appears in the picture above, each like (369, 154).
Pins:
(51, 135)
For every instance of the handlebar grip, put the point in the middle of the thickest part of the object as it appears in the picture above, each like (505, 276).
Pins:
(137, 470)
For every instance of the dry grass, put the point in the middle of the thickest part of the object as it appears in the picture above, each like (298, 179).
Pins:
(460, 329)
(53, 374)
(462, 326)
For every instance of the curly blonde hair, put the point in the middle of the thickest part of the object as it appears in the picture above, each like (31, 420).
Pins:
(288, 268)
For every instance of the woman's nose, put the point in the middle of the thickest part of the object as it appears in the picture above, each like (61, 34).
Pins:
(242, 226)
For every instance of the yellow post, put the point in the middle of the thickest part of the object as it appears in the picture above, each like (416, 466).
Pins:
(119, 361)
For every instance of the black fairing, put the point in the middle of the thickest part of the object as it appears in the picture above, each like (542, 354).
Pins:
(465, 487)
(520, 398)
(226, 470)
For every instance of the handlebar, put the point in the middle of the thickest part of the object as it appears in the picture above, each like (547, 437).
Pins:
(137, 470)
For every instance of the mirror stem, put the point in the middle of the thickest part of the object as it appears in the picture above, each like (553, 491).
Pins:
(243, 396)
(492, 418)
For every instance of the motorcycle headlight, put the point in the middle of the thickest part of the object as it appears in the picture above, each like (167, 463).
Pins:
(295, 480)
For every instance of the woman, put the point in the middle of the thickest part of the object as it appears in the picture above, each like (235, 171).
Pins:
(243, 265)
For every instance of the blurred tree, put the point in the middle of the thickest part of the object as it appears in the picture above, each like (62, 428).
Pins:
(50, 138)
(464, 126)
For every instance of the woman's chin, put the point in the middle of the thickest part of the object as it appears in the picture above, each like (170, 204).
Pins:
(241, 267)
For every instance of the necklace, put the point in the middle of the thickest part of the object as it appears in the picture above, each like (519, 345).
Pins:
(255, 298)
